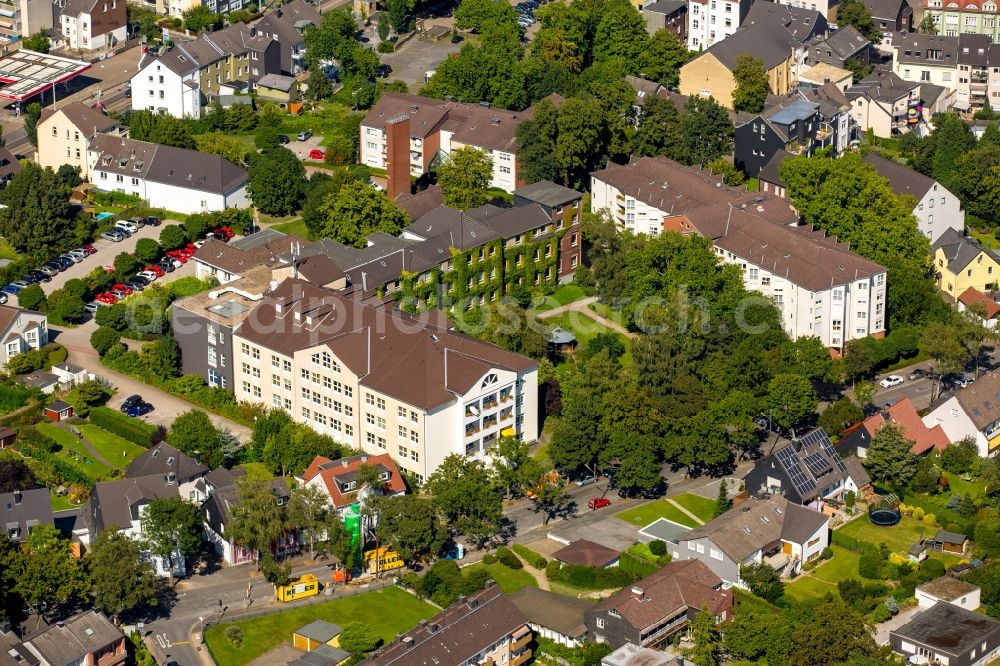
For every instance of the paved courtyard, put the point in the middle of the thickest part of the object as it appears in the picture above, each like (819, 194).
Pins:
(415, 58)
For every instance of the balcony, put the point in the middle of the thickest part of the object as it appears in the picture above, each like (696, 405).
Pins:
(518, 659)
(520, 642)
(797, 148)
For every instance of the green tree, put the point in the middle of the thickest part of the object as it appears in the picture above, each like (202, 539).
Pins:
(44, 573)
(319, 87)
(854, 12)
(276, 181)
(748, 635)
(410, 526)
(147, 250)
(200, 18)
(640, 469)
(38, 42)
(927, 25)
(358, 210)
(790, 400)
(193, 433)
(659, 130)
(172, 529)
(103, 339)
(32, 114)
(122, 580)
(730, 174)
(889, 459)
(579, 131)
(65, 308)
(32, 298)
(961, 457)
(163, 358)
(359, 638)
(830, 633)
(399, 17)
(257, 520)
(722, 502)
(663, 57)
(865, 393)
(221, 144)
(464, 492)
(36, 219)
(549, 498)
(839, 416)
(706, 130)
(763, 580)
(751, 84)
(309, 511)
(67, 174)
(942, 342)
(477, 14)
(620, 33)
(509, 458)
(707, 640)
(465, 178)
(952, 138)
(172, 237)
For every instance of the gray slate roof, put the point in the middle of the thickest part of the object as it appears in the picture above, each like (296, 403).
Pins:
(846, 41)
(960, 250)
(24, 510)
(77, 637)
(548, 194)
(666, 7)
(951, 630)
(117, 502)
(902, 179)
(164, 459)
(771, 43)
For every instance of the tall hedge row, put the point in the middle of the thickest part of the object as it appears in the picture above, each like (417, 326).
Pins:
(126, 427)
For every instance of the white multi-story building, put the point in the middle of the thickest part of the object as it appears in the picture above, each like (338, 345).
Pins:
(937, 210)
(168, 84)
(380, 380)
(711, 21)
(93, 25)
(20, 331)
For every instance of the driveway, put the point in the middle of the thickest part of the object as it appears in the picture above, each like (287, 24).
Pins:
(302, 148)
(415, 58)
(904, 616)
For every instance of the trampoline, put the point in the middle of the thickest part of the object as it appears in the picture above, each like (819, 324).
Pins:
(884, 512)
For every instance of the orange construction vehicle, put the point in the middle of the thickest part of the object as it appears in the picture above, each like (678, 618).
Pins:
(552, 478)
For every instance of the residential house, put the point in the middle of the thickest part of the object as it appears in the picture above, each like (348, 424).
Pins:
(828, 8)
(804, 25)
(23, 510)
(805, 470)
(178, 179)
(93, 25)
(886, 104)
(282, 90)
(957, 17)
(961, 262)
(287, 25)
(711, 21)
(554, 616)
(9, 166)
(710, 74)
(20, 331)
(668, 15)
(973, 411)
(653, 610)
(856, 440)
(563, 206)
(926, 58)
(23, 18)
(949, 590)
(586, 553)
(218, 510)
(768, 529)
(839, 48)
(339, 479)
(383, 380)
(169, 462)
(890, 16)
(937, 210)
(88, 638)
(483, 627)
(64, 135)
(818, 74)
(836, 127)
(792, 125)
(240, 256)
(948, 634)
(984, 308)
(180, 80)
(975, 55)
(409, 135)
(173, 8)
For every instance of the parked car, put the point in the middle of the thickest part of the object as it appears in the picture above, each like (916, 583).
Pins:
(149, 275)
(598, 503)
(962, 382)
(107, 298)
(283, 139)
(919, 373)
(890, 381)
(586, 480)
(51, 271)
(11, 289)
(456, 38)
(39, 276)
(250, 229)
(228, 231)
(154, 269)
(64, 261)
(762, 421)
(137, 222)
(89, 248)
(304, 135)
(122, 288)
(218, 235)
(112, 236)
(317, 154)
(79, 254)
(383, 71)
(135, 286)
(3, 298)
(31, 279)
(91, 307)
(139, 409)
(127, 226)
(166, 264)
(130, 401)
(151, 221)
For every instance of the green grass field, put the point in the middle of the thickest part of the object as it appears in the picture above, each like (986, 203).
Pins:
(294, 227)
(700, 506)
(82, 459)
(824, 578)
(509, 580)
(258, 470)
(897, 538)
(116, 450)
(566, 293)
(644, 514)
(386, 611)
(61, 502)
(6, 251)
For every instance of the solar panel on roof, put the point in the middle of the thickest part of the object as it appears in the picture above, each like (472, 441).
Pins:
(787, 458)
(818, 464)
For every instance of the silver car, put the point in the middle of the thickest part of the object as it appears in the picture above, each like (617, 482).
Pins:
(113, 236)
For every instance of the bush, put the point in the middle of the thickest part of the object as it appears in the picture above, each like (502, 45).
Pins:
(918, 513)
(638, 566)
(56, 355)
(826, 554)
(530, 556)
(881, 614)
(658, 547)
(234, 635)
(508, 559)
(932, 568)
(593, 578)
(31, 298)
(552, 569)
(13, 397)
(26, 362)
(489, 558)
(845, 541)
(870, 566)
(117, 423)
(104, 338)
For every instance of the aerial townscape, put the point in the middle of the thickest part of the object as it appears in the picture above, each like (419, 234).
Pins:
(499, 333)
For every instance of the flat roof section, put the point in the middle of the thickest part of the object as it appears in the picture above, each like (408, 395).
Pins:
(27, 73)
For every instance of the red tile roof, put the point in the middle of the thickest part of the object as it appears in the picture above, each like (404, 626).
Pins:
(331, 470)
(904, 415)
(973, 296)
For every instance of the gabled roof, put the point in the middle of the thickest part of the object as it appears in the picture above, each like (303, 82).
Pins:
(846, 42)
(336, 474)
(420, 203)
(9, 315)
(72, 640)
(558, 612)
(800, 22)
(904, 415)
(981, 399)
(886, 9)
(768, 41)
(666, 7)
(88, 120)
(856, 470)
(771, 171)
(973, 296)
(960, 250)
(236, 258)
(24, 510)
(926, 50)
(587, 553)
(679, 586)
(882, 87)
(164, 459)
(218, 508)
(116, 503)
(758, 523)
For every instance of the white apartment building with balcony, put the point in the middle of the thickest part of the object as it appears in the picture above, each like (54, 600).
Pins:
(381, 380)
(711, 21)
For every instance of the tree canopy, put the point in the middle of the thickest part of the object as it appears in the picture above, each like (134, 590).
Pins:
(276, 181)
(356, 211)
(465, 177)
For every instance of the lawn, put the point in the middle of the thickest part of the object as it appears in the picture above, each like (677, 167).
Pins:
(295, 227)
(646, 513)
(700, 506)
(509, 580)
(61, 502)
(566, 293)
(6, 251)
(986, 239)
(116, 450)
(585, 328)
(897, 538)
(75, 452)
(258, 470)
(388, 612)
(824, 578)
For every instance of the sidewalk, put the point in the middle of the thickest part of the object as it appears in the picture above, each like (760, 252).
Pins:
(582, 307)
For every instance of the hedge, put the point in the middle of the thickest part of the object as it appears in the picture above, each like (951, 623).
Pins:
(636, 565)
(530, 556)
(508, 559)
(845, 541)
(944, 515)
(128, 428)
(39, 447)
(591, 578)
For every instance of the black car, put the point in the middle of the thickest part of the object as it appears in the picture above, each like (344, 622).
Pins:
(165, 266)
(39, 276)
(64, 262)
(30, 279)
(455, 39)
(134, 286)
(218, 235)
(138, 280)
(151, 221)
(130, 401)
(383, 71)
(283, 139)
(250, 229)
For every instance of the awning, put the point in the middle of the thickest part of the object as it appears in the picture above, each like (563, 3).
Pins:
(961, 105)
(508, 432)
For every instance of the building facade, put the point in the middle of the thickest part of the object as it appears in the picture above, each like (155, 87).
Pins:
(711, 21)
(64, 135)
(937, 210)
(93, 25)
(21, 331)
(972, 412)
(793, 126)
(961, 262)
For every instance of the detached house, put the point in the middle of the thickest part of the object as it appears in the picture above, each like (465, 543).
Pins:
(93, 25)
(23, 510)
(805, 470)
(86, 639)
(770, 529)
(937, 210)
(20, 331)
(287, 25)
(972, 412)
(655, 609)
(961, 262)
(338, 479)
(903, 414)
(218, 510)
(64, 135)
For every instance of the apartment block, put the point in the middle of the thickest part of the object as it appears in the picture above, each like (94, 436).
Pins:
(887, 104)
(956, 17)
(382, 380)
(64, 135)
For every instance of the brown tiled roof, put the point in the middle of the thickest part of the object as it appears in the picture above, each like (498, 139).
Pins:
(558, 612)
(678, 586)
(981, 400)
(72, 640)
(973, 296)
(319, 269)
(455, 635)
(586, 553)
(232, 258)
(89, 121)
(346, 469)
(419, 204)
(393, 352)
(904, 415)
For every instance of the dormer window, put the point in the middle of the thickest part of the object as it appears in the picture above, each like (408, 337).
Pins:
(384, 476)
(170, 460)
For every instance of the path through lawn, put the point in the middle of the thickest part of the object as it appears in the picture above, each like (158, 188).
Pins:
(824, 578)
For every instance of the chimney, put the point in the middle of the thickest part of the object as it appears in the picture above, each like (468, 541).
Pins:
(638, 593)
(408, 641)
(422, 624)
(17, 497)
(397, 138)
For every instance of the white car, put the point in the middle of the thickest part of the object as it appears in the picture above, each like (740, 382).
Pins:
(149, 275)
(126, 226)
(890, 381)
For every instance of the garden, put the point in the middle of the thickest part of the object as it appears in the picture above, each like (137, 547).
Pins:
(644, 514)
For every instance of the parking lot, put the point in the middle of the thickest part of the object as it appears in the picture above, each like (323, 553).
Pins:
(415, 58)
(302, 148)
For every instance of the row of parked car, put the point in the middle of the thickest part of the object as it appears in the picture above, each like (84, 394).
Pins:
(125, 228)
(526, 12)
(172, 260)
(48, 270)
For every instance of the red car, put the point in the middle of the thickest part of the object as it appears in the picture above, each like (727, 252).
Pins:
(89, 248)
(598, 503)
(122, 288)
(317, 154)
(156, 269)
(106, 298)
(227, 230)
